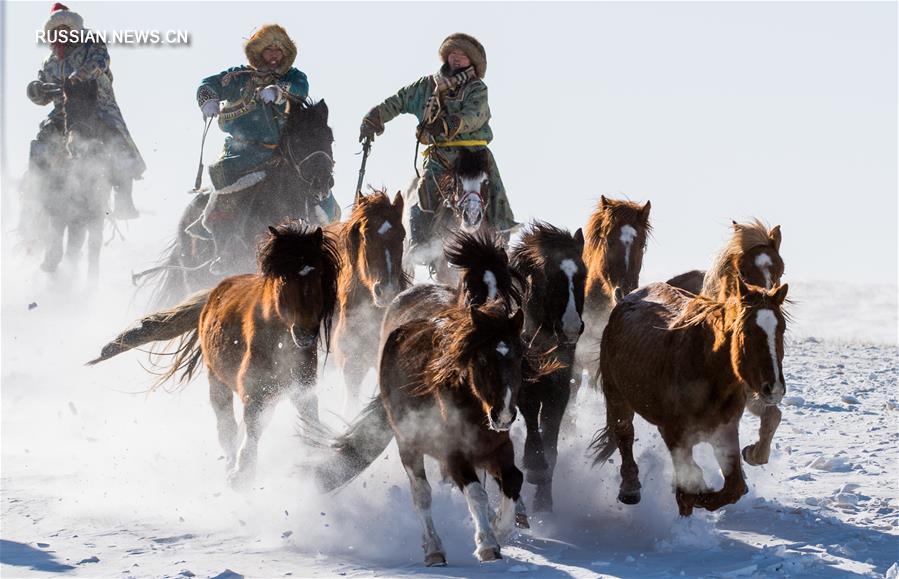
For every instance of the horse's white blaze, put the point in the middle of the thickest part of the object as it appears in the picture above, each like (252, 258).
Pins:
(505, 417)
(385, 227)
(473, 185)
(502, 348)
(571, 320)
(389, 263)
(490, 281)
(628, 235)
(764, 263)
(767, 321)
(306, 269)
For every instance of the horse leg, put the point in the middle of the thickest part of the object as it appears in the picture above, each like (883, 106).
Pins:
(354, 371)
(463, 473)
(727, 452)
(414, 464)
(688, 482)
(94, 243)
(529, 405)
(53, 254)
(758, 453)
(620, 422)
(550, 423)
(222, 399)
(75, 241)
(244, 470)
(509, 479)
(302, 392)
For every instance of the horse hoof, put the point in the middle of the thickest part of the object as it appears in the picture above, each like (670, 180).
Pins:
(629, 497)
(489, 554)
(537, 476)
(748, 456)
(47, 267)
(435, 560)
(521, 521)
(239, 481)
(543, 504)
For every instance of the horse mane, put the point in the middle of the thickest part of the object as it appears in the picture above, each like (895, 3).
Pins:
(301, 111)
(277, 257)
(746, 237)
(538, 242)
(472, 163)
(484, 252)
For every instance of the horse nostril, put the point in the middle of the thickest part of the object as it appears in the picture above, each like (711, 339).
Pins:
(767, 390)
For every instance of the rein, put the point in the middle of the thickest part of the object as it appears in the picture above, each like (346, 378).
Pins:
(199, 180)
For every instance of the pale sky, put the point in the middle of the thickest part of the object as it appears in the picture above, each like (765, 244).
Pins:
(714, 111)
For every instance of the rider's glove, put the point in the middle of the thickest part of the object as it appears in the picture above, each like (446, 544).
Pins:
(210, 108)
(35, 92)
(271, 94)
(371, 125)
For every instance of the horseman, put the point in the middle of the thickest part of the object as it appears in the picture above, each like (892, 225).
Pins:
(453, 114)
(86, 61)
(251, 104)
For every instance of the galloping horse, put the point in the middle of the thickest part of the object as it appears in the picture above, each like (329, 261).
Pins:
(751, 254)
(257, 335)
(465, 196)
(686, 364)
(550, 260)
(449, 386)
(300, 175)
(75, 188)
(371, 275)
(616, 236)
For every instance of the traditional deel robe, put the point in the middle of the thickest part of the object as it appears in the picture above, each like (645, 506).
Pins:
(253, 127)
(90, 61)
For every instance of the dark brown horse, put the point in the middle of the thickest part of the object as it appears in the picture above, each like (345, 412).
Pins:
(550, 260)
(371, 247)
(753, 255)
(257, 335)
(484, 273)
(449, 385)
(686, 364)
(616, 236)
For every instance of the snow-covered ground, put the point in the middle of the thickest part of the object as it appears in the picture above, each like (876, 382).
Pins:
(101, 479)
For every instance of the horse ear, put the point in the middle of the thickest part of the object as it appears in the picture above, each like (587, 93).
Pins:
(319, 235)
(324, 109)
(603, 202)
(579, 238)
(518, 320)
(644, 211)
(273, 231)
(359, 197)
(735, 225)
(779, 294)
(398, 200)
(774, 236)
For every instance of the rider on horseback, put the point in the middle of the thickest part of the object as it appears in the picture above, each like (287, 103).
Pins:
(254, 114)
(453, 115)
(80, 62)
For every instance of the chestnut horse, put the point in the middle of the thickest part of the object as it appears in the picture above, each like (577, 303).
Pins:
(616, 238)
(448, 389)
(257, 335)
(753, 254)
(371, 275)
(550, 259)
(687, 364)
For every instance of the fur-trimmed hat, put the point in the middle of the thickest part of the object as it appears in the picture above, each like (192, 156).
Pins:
(270, 35)
(60, 15)
(473, 49)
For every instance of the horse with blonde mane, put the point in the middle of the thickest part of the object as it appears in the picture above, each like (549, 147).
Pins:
(687, 364)
(257, 334)
(753, 255)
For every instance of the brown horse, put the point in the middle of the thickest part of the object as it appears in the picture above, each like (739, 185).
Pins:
(753, 255)
(616, 238)
(449, 386)
(685, 363)
(550, 259)
(257, 335)
(371, 275)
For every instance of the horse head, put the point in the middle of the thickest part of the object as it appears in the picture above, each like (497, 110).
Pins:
(374, 243)
(300, 265)
(617, 232)
(307, 145)
(757, 347)
(471, 193)
(761, 265)
(83, 132)
(484, 272)
(551, 260)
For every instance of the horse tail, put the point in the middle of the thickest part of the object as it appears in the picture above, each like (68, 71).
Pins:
(357, 448)
(160, 326)
(187, 359)
(603, 445)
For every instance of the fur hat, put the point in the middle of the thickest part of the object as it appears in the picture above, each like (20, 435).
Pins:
(473, 49)
(60, 15)
(270, 35)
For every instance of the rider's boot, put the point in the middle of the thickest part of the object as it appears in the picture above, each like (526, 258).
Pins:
(420, 235)
(124, 204)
